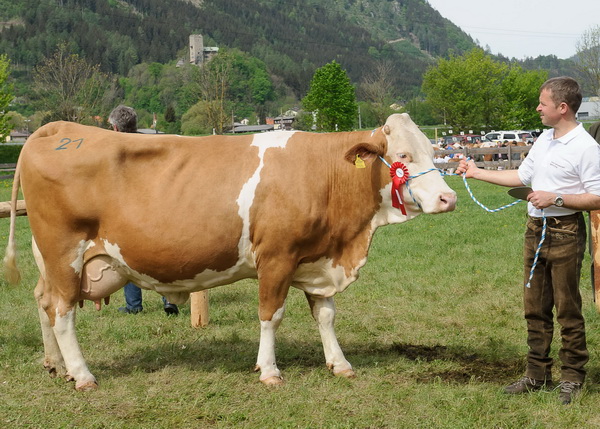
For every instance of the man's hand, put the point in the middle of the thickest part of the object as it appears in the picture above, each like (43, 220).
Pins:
(541, 199)
(468, 167)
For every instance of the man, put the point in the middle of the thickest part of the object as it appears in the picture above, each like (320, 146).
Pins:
(595, 131)
(124, 119)
(563, 169)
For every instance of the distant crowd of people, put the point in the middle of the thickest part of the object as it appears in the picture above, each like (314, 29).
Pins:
(477, 143)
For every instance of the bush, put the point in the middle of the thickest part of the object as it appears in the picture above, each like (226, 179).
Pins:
(9, 153)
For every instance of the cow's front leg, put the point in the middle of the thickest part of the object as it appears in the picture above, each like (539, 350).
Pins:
(272, 293)
(323, 311)
(64, 331)
(265, 362)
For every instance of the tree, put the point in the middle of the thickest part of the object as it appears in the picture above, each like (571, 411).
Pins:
(466, 90)
(199, 119)
(473, 91)
(5, 97)
(214, 83)
(378, 88)
(250, 86)
(521, 96)
(70, 88)
(588, 57)
(332, 97)
(421, 112)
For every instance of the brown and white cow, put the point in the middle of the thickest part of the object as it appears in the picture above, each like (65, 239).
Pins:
(180, 214)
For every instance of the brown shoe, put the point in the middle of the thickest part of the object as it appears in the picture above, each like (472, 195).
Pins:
(526, 385)
(568, 391)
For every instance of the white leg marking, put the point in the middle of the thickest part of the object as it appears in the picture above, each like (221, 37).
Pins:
(324, 313)
(266, 350)
(64, 330)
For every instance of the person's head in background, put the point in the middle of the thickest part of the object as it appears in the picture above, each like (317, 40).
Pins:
(123, 119)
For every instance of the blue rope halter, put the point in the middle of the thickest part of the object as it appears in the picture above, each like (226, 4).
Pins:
(414, 176)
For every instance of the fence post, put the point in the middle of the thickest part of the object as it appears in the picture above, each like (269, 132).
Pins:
(595, 254)
(199, 308)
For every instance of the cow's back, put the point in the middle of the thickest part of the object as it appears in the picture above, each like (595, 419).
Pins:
(157, 197)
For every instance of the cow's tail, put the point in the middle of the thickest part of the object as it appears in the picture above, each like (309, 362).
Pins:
(10, 258)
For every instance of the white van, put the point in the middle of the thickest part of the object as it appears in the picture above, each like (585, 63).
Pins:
(502, 136)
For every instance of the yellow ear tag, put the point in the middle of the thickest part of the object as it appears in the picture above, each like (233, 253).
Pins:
(359, 162)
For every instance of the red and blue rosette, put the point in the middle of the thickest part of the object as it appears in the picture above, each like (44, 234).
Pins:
(399, 175)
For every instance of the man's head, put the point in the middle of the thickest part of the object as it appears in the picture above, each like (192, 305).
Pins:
(560, 98)
(564, 89)
(123, 119)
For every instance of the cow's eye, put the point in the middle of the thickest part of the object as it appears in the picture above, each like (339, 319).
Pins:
(404, 157)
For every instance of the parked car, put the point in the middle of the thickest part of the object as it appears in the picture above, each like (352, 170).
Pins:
(462, 139)
(502, 136)
(534, 134)
(469, 138)
(527, 136)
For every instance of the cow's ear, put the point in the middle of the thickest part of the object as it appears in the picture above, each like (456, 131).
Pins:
(365, 151)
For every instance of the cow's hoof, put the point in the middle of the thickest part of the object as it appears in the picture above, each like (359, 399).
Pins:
(346, 373)
(54, 370)
(272, 381)
(86, 386)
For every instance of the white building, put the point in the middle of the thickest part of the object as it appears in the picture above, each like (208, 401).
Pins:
(589, 109)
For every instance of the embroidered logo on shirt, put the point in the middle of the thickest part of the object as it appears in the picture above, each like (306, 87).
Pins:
(556, 165)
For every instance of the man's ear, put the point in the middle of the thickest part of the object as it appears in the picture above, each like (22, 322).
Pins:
(365, 151)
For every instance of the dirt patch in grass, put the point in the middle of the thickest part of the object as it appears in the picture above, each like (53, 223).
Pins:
(472, 367)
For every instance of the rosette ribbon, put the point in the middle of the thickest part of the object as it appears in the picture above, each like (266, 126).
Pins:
(399, 174)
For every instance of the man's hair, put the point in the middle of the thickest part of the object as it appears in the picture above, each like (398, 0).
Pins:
(124, 119)
(564, 89)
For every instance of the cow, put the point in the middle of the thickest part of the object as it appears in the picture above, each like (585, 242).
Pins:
(179, 214)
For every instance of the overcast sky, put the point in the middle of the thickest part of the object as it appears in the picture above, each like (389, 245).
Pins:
(523, 28)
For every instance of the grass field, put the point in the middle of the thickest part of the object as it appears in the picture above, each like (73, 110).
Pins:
(433, 328)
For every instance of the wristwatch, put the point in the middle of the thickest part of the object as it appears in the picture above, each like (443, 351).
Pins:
(558, 201)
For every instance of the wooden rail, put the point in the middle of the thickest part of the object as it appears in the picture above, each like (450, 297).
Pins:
(7, 168)
(5, 208)
(513, 155)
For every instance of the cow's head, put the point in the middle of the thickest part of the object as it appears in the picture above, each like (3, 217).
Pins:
(400, 140)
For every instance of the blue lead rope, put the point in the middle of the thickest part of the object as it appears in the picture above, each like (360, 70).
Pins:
(464, 177)
(539, 247)
(468, 188)
(537, 252)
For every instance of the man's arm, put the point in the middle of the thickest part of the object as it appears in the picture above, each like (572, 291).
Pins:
(497, 177)
(581, 202)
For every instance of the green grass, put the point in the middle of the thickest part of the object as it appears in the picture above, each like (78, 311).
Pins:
(433, 328)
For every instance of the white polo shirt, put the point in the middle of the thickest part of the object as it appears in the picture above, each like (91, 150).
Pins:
(568, 165)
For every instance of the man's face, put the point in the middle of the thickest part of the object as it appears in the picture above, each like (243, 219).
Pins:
(550, 113)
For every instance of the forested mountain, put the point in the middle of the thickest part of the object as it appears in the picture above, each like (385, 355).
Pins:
(293, 37)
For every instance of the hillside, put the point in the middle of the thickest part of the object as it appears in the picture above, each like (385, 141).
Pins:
(292, 37)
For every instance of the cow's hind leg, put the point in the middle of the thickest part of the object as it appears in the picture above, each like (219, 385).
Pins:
(323, 311)
(53, 360)
(64, 330)
(61, 348)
